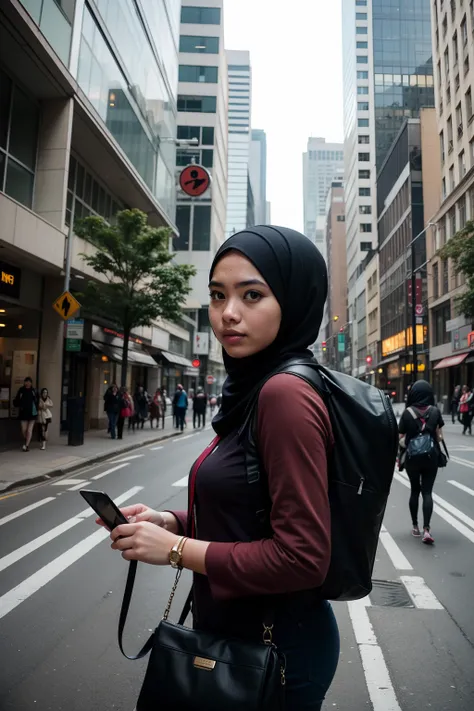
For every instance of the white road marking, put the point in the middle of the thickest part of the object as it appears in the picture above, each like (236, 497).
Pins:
(377, 677)
(181, 439)
(155, 449)
(109, 471)
(444, 514)
(35, 582)
(462, 487)
(27, 509)
(449, 507)
(420, 593)
(394, 551)
(464, 462)
(126, 459)
(182, 482)
(81, 485)
(68, 482)
(53, 533)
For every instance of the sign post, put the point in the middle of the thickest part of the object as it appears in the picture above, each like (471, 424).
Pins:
(74, 333)
(66, 305)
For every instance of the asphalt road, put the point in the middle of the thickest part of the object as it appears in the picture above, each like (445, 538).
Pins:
(409, 647)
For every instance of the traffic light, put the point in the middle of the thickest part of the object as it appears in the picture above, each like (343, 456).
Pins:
(196, 363)
(368, 360)
(324, 345)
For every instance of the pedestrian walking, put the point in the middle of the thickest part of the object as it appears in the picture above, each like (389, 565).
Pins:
(126, 411)
(44, 416)
(140, 401)
(180, 404)
(155, 409)
(420, 430)
(455, 398)
(199, 408)
(466, 409)
(26, 400)
(268, 290)
(164, 406)
(106, 394)
(112, 406)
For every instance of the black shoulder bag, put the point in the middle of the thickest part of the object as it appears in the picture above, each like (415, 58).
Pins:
(193, 670)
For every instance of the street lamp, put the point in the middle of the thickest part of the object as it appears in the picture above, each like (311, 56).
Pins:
(413, 297)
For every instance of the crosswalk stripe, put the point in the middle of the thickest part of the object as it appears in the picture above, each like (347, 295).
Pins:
(26, 509)
(35, 582)
(109, 471)
(462, 487)
(394, 552)
(68, 482)
(182, 482)
(464, 462)
(181, 439)
(420, 593)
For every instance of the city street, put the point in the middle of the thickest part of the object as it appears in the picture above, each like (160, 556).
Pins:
(410, 647)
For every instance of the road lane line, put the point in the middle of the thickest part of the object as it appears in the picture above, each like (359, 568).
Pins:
(462, 487)
(68, 482)
(464, 462)
(109, 471)
(449, 507)
(181, 439)
(53, 533)
(35, 582)
(155, 449)
(182, 482)
(126, 459)
(444, 514)
(81, 485)
(27, 509)
(420, 593)
(394, 551)
(377, 677)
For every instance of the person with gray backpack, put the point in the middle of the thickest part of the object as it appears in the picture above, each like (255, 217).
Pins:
(420, 429)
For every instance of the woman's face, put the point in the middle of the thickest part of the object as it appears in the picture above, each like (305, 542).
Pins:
(465, 388)
(44, 394)
(244, 314)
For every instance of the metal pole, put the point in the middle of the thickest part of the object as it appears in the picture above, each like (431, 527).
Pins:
(413, 312)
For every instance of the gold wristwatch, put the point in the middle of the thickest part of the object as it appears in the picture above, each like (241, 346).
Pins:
(176, 553)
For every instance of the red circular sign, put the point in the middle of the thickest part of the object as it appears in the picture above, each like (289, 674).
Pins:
(194, 180)
(196, 363)
(210, 380)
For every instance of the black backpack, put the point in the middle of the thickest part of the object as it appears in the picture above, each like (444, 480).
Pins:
(360, 472)
(422, 450)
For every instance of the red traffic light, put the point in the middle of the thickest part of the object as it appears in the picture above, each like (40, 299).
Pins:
(196, 363)
(324, 344)
(368, 360)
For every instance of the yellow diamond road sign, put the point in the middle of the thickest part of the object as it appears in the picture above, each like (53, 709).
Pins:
(66, 305)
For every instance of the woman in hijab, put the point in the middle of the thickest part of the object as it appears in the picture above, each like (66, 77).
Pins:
(421, 414)
(268, 287)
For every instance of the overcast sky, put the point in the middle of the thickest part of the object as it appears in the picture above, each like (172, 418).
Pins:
(296, 55)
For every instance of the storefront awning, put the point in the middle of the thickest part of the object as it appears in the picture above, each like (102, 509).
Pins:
(138, 357)
(141, 358)
(451, 361)
(175, 359)
(111, 352)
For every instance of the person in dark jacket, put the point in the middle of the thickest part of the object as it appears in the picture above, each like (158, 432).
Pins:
(26, 401)
(140, 401)
(180, 404)
(268, 289)
(199, 408)
(112, 406)
(455, 398)
(421, 414)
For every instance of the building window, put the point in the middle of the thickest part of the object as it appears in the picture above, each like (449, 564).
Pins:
(450, 134)
(452, 222)
(440, 317)
(455, 49)
(361, 90)
(361, 74)
(185, 156)
(183, 223)
(452, 182)
(462, 212)
(362, 45)
(361, 15)
(462, 165)
(363, 123)
(364, 174)
(86, 196)
(197, 104)
(471, 154)
(436, 280)
(364, 139)
(459, 120)
(440, 78)
(361, 3)
(446, 64)
(364, 192)
(201, 15)
(340, 218)
(469, 104)
(362, 106)
(464, 31)
(365, 209)
(202, 228)
(443, 188)
(441, 145)
(201, 45)
(445, 264)
(191, 73)
(19, 120)
(466, 64)
(365, 227)
(361, 30)
(364, 157)
(362, 59)
(204, 134)
(365, 246)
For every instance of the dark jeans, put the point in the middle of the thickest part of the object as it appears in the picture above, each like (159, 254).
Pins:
(120, 424)
(197, 417)
(180, 417)
(112, 423)
(422, 482)
(309, 639)
(466, 419)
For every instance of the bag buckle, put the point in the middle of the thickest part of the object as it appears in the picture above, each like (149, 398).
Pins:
(268, 634)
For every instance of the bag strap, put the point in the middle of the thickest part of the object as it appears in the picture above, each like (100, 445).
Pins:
(127, 596)
(445, 448)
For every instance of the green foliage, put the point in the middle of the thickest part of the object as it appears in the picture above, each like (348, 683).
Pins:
(460, 248)
(142, 282)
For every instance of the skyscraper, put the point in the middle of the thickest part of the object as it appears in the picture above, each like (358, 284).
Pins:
(258, 174)
(323, 163)
(388, 76)
(239, 202)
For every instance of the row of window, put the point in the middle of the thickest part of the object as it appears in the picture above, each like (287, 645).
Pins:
(201, 15)
(194, 225)
(326, 155)
(192, 73)
(197, 104)
(200, 45)
(185, 156)
(204, 134)
(86, 196)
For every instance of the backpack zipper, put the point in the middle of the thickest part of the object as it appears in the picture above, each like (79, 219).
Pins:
(361, 486)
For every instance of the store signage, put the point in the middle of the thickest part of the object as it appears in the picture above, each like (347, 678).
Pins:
(73, 345)
(401, 340)
(455, 323)
(75, 329)
(117, 334)
(10, 280)
(201, 343)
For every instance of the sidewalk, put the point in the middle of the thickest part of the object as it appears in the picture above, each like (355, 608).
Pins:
(19, 468)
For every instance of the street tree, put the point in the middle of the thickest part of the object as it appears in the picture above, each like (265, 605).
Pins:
(460, 248)
(141, 281)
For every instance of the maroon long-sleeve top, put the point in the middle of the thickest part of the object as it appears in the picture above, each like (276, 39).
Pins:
(244, 569)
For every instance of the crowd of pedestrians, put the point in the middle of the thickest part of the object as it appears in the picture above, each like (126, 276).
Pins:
(33, 409)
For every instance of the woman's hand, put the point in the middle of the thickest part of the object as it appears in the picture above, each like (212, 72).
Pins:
(137, 513)
(143, 541)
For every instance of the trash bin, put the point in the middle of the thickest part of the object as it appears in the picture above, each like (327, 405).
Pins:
(75, 410)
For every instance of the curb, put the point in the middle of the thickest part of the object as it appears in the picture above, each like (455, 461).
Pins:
(95, 459)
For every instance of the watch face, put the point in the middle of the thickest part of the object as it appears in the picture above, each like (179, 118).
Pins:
(174, 557)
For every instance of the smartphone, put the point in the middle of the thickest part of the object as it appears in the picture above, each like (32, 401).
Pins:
(104, 507)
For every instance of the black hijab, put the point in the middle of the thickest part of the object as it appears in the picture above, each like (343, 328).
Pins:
(421, 395)
(296, 273)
